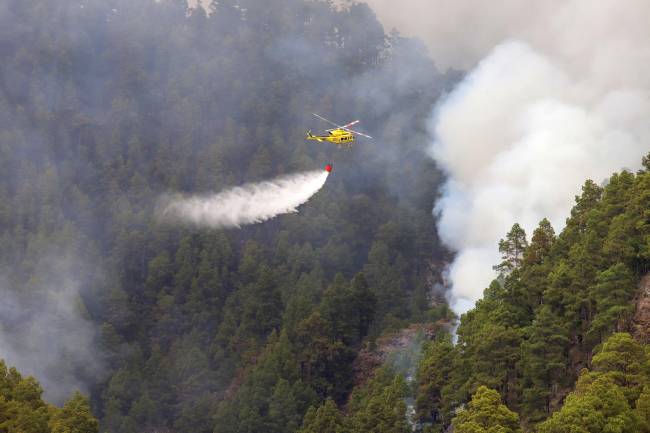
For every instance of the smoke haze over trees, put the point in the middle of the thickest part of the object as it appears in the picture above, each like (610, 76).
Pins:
(107, 104)
(104, 105)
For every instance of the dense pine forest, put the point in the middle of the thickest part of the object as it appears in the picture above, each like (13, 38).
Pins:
(310, 322)
(105, 105)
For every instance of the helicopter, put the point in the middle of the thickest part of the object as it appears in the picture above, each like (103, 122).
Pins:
(342, 135)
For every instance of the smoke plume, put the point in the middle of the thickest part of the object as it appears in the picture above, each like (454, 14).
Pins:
(46, 331)
(559, 95)
(248, 204)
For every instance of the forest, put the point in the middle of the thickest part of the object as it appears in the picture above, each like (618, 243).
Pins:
(134, 325)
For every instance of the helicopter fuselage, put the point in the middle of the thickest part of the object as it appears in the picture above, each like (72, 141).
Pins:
(340, 137)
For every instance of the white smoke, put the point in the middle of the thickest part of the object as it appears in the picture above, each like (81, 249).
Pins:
(248, 204)
(46, 331)
(561, 94)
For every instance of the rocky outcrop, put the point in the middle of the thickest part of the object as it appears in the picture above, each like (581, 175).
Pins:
(370, 358)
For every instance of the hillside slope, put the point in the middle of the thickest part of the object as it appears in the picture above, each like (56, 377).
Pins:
(553, 307)
(104, 106)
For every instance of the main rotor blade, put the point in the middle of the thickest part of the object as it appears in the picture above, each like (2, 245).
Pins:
(357, 133)
(350, 124)
(328, 121)
(344, 127)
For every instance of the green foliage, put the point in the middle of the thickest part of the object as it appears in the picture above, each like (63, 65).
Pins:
(23, 411)
(324, 419)
(512, 250)
(379, 406)
(557, 301)
(543, 363)
(540, 243)
(104, 108)
(597, 405)
(612, 292)
(623, 360)
(488, 345)
(642, 408)
(486, 414)
(612, 397)
(74, 417)
(433, 379)
(107, 106)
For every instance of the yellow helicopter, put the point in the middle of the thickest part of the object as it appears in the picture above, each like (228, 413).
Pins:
(342, 135)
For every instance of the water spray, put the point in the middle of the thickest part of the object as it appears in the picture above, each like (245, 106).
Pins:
(247, 204)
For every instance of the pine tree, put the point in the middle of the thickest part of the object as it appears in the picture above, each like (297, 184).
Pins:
(434, 377)
(324, 419)
(22, 409)
(512, 250)
(623, 360)
(365, 302)
(543, 363)
(74, 417)
(597, 405)
(540, 243)
(612, 294)
(642, 408)
(486, 414)
(382, 408)
(283, 408)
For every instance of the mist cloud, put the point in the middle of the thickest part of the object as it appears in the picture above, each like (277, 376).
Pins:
(556, 94)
